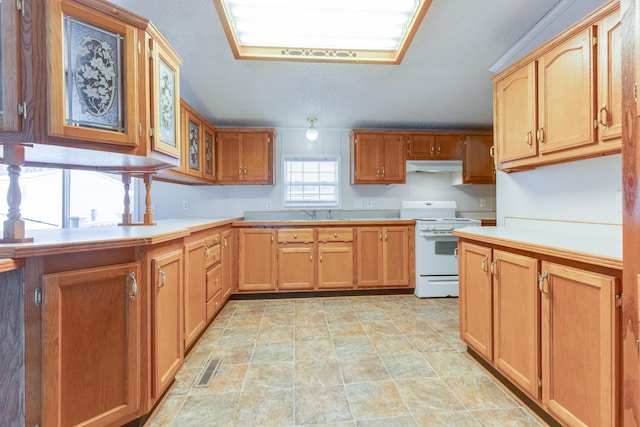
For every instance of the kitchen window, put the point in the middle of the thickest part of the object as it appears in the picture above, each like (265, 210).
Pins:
(311, 182)
(56, 198)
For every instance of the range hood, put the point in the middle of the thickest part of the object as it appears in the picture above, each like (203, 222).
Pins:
(434, 166)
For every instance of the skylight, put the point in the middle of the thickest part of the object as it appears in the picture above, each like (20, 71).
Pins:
(321, 30)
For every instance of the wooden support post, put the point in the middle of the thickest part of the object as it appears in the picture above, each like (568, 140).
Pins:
(14, 225)
(148, 215)
(126, 216)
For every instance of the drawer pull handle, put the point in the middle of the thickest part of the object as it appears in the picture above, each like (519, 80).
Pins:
(163, 278)
(492, 267)
(484, 263)
(541, 278)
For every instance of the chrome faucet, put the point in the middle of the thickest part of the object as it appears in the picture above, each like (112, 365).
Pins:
(329, 214)
(312, 215)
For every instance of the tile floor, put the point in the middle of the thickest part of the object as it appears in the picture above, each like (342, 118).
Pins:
(342, 361)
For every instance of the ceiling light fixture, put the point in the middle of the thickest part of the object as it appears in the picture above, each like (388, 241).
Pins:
(312, 132)
(372, 31)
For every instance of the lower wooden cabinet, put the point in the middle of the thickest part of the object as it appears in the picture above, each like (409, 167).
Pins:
(229, 263)
(257, 269)
(167, 343)
(579, 345)
(335, 260)
(195, 289)
(549, 328)
(383, 256)
(91, 346)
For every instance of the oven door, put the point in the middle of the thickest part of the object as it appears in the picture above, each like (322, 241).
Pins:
(435, 255)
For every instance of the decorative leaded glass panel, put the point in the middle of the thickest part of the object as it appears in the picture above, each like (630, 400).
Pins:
(208, 153)
(94, 69)
(194, 148)
(167, 90)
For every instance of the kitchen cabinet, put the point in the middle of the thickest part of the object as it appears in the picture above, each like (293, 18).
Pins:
(377, 158)
(91, 345)
(477, 164)
(257, 259)
(11, 82)
(579, 345)
(213, 259)
(229, 260)
(192, 142)
(167, 352)
(562, 102)
(195, 288)
(335, 258)
(89, 94)
(383, 256)
(475, 293)
(549, 328)
(296, 259)
(433, 146)
(208, 153)
(609, 102)
(244, 156)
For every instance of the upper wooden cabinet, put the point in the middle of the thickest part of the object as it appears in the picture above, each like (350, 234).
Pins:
(92, 75)
(563, 101)
(11, 46)
(377, 158)
(208, 152)
(434, 146)
(244, 156)
(477, 164)
(192, 133)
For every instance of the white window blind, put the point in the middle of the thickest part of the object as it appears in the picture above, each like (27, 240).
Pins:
(311, 181)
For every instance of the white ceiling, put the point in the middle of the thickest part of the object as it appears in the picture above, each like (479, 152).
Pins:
(442, 82)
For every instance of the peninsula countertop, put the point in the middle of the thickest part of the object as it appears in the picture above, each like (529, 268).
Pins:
(596, 248)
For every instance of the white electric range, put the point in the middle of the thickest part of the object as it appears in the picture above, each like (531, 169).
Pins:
(436, 258)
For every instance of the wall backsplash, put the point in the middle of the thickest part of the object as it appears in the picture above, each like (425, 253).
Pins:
(231, 201)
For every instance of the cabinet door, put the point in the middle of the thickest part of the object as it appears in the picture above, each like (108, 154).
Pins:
(394, 164)
(395, 256)
(610, 78)
(566, 95)
(91, 346)
(92, 59)
(295, 267)
(228, 157)
(10, 85)
(475, 298)
(579, 346)
(165, 101)
(227, 265)
(166, 303)
(367, 158)
(516, 320)
(335, 265)
(477, 164)
(257, 260)
(421, 147)
(369, 258)
(214, 291)
(515, 115)
(447, 147)
(192, 155)
(208, 152)
(256, 162)
(195, 291)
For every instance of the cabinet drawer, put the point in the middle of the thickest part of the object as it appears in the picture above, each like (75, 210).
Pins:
(213, 306)
(335, 235)
(214, 281)
(212, 255)
(213, 240)
(298, 235)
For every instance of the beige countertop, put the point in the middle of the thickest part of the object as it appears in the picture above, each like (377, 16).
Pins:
(69, 240)
(591, 248)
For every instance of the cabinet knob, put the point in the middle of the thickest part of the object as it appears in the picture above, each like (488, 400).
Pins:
(335, 234)
(295, 236)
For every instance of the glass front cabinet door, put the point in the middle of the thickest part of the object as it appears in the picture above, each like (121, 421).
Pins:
(92, 76)
(11, 107)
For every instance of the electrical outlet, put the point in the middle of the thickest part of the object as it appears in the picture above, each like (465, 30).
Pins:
(186, 205)
(483, 203)
(357, 204)
(369, 204)
(268, 204)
